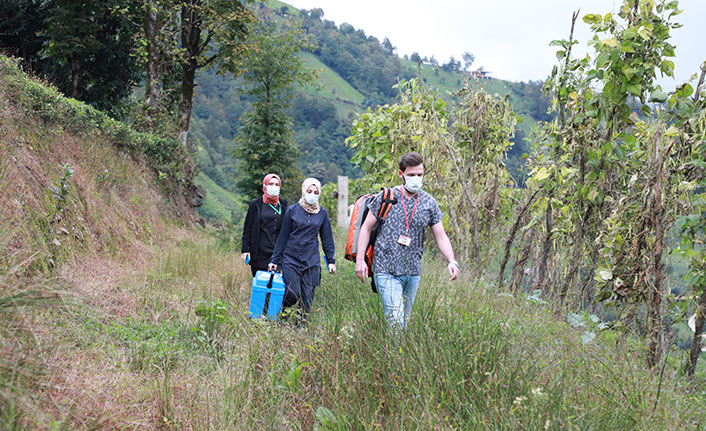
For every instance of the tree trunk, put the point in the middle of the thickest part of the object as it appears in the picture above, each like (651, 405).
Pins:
(187, 95)
(76, 78)
(587, 290)
(151, 25)
(695, 351)
(191, 21)
(491, 224)
(571, 280)
(462, 252)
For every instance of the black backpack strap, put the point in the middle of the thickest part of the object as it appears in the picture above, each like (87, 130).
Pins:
(388, 199)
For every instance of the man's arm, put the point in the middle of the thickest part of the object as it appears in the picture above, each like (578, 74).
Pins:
(361, 268)
(444, 244)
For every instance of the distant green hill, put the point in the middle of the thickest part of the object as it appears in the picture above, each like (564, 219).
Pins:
(356, 71)
(332, 86)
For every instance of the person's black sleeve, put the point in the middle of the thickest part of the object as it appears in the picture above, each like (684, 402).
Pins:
(247, 228)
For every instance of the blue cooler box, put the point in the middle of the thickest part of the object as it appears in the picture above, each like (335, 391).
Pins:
(267, 294)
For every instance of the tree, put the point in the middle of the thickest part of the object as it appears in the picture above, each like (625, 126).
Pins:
(415, 57)
(210, 30)
(464, 161)
(468, 60)
(160, 28)
(88, 50)
(331, 175)
(387, 45)
(22, 25)
(452, 65)
(264, 143)
(692, 224)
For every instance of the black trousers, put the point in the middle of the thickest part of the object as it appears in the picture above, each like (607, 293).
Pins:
(300, 285)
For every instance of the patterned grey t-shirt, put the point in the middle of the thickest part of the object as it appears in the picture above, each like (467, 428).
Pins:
(390, 256)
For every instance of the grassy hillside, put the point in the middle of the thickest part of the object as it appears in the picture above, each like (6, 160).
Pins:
(73, 177)
(330, 84)
(218, 203)
(82, 194)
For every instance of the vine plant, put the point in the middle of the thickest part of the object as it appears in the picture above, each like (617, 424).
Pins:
(606, 168)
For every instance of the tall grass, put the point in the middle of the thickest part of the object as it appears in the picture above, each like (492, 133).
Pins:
(21, 364)
(461, 365)
(470, 359)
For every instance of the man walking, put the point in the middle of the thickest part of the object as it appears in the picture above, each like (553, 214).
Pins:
(397, 261)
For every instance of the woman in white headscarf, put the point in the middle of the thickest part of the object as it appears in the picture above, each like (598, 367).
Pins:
(297, 248)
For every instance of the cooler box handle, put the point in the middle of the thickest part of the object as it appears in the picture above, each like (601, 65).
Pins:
(265, 308)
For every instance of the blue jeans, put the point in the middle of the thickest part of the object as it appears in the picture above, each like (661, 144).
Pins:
(397, 293)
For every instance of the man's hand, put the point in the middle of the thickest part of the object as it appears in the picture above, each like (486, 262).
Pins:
(454, 270)
(331, 268)
(361, 270)
(272, 267)
(245, 257)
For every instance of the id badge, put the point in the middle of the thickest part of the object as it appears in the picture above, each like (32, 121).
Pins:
(404, 240)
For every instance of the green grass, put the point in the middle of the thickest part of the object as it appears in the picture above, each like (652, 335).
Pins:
(40, 99)
(218, 203)
(277, 5)
(334, 87)
(469, 360)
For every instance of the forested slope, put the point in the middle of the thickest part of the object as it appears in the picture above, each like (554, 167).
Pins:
(356, 72)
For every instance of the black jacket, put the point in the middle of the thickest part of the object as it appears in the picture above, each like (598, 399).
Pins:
(251, 229)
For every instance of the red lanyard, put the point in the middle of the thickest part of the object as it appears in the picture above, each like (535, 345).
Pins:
(408, 222)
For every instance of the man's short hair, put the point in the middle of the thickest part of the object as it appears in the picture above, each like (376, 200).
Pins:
(412, 158)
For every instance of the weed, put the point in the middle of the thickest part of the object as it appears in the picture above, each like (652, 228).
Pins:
(166, 419)
(103, 177)
(161, 345)
(228, 238)
(213, 315)
(61, 191)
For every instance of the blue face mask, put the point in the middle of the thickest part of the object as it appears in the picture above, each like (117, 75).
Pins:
(413, 184)
(311, 198)
(272, 190)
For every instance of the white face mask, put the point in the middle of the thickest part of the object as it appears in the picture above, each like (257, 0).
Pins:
(413, 184)
(311, 198)
(273, 190)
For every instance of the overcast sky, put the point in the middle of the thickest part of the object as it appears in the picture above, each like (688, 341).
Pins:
(509, 38)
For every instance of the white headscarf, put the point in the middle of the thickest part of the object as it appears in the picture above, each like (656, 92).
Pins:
(312, 209)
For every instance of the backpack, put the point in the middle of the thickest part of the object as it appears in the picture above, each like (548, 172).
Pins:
(358, 215)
